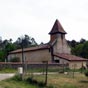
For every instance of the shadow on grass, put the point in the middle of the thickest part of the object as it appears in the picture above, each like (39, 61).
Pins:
(83, 81)
(35, 82)
(39, 84)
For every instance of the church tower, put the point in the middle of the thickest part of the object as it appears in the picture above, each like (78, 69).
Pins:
(57, 39)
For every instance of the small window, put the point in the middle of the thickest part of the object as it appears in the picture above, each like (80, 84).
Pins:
(57, 61)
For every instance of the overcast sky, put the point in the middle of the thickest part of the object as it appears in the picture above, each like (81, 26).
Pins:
(36, 18)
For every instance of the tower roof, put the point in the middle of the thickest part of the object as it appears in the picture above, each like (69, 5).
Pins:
(57, 28)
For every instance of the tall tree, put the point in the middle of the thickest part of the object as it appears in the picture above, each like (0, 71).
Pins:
(85, 50)
(25, 41)
(77, 50)
(82, 41)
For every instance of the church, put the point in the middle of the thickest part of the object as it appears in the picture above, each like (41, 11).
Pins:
(55, 51)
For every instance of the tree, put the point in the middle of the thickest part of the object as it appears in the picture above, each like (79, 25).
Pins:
(6, 47)
(82, 41)
(2, 55)
(85, 50)
(72, 43)
(0, 43)
(78, 50)
(25, 41)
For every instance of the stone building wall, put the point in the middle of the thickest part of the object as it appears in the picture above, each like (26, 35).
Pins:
(37, 55)
(61, 45)
(77, 64)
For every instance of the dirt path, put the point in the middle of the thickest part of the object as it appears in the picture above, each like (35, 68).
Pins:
(6, 75)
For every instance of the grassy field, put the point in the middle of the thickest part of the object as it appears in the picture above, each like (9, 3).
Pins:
(54, 81)
(8, 70)
(11, 83)
(65, 81)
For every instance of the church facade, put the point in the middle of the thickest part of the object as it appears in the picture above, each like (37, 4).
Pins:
(56, 50)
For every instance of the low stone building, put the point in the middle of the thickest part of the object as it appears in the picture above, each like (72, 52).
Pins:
(56, 50)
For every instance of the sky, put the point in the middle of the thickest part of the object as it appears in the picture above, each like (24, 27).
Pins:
(36, 18)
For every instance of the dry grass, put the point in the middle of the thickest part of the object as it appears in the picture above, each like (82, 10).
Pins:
(66, 81)
(54, 80)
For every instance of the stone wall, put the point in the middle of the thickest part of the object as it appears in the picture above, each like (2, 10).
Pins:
(77, 64)
(37, 55)
(61, 45)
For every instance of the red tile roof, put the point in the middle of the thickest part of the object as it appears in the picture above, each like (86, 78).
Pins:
(57, 28)
(40, 47)
(70, 57)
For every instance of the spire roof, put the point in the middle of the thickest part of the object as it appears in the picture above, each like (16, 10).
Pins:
(57, 28)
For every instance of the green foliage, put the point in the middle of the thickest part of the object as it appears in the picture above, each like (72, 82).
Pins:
(86, 73)
(78, 50)
(25, 41)
(17, 78)
(7, 70)
(85, 50)
(2, 55)
(15, 83)
(81, 49)
(7, 46)
(35, 82)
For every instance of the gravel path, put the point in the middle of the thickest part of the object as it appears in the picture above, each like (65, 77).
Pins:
(5, 76)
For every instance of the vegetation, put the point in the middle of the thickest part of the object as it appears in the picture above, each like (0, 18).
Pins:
(8, 70)
(15, 83)
(79, 48)
(7, 45)
(65, 81)
(54, 81)
(86, 73)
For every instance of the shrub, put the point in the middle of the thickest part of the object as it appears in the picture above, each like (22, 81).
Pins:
(86, 73)
(17, 78)
(35, 82)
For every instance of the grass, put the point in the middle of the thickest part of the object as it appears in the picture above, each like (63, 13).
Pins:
(14, 83)
(65, 81)
(54, 81)
(8, 70)
(50, 69)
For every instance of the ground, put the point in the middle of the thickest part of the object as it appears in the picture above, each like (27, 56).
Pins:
(6, 75)
(58, 80)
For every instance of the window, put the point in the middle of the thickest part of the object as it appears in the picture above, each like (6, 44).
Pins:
(57, 61)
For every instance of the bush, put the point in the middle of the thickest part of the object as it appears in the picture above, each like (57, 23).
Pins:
(35, 82)
(17, 78)
(86, 73)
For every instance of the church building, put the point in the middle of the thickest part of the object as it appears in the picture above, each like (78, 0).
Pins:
(55, 51)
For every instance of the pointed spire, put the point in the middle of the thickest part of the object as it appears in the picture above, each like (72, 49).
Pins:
(57, 28)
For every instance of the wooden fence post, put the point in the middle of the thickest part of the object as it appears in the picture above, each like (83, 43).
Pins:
(46, 72)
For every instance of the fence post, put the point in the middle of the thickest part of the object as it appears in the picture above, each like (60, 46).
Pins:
(46, 72)
(73, 70)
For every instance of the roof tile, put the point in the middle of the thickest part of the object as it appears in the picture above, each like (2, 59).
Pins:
(57, 28)
(70, 57)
